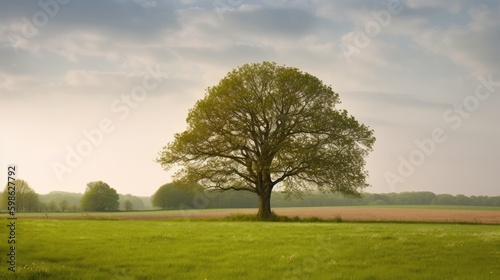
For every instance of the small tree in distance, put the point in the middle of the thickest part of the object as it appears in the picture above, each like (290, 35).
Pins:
(128, 205)
(173, 196)
(99, 196)
(52, 206)
(27, 200)
(63, 204)
(266, 125)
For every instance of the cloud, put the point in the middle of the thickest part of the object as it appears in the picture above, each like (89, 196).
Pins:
(140, 20)
(458, 37)
(94, 78)
(288, 23)
(429, 5)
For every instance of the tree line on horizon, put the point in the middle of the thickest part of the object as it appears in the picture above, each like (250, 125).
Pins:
(189, 197)
(173, 196)
(104, 198)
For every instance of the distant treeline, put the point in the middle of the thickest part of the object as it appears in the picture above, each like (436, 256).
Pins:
(234, 199)
(404, 198)
(52, 201)
(69, 202)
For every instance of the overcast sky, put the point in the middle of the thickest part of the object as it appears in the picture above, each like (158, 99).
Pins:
(92, 90)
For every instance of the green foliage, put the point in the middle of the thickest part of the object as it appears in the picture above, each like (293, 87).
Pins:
(247, 218)
(99, 196)
(241, 218)
(72, 200)
(52, 207)
(134, 202)
(278, 218)
(80, 249)
(127, 204)
(338, 219)
(265, 125)
(231, 199)
(444, 199)
(175, 196)
(27, 200)
(63, 205)
(405, 198)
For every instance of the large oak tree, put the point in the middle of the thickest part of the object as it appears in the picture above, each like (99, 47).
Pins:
(266, 126)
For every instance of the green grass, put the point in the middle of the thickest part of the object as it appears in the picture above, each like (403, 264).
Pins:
(113, 215)
(135, 249)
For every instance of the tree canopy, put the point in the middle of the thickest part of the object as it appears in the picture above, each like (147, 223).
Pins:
(264, 126)
(27, 199)
(129, 202)
(174, 196)
(99, 196)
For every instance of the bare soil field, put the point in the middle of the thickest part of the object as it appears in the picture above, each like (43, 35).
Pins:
(345, 213)
(396, 214)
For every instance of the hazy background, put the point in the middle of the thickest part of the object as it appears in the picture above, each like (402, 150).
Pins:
(66, 68)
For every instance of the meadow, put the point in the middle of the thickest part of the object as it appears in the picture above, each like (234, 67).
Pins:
(222, 249)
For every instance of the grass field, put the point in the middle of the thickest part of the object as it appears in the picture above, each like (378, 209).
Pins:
(217, 249)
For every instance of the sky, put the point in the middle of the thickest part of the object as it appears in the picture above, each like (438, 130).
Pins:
(92, 90)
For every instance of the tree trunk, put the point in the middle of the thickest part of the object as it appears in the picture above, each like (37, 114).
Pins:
(265, 207)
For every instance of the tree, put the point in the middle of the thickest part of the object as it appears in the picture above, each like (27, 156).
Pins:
(99, 196)
(63, 204)
(128, 205)
(72, 200)
(174, 196)
(135, 203)
(42, 206)
(461, 199)
(52, 206)
(444, 199)
(27, 199)
(266, 125)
